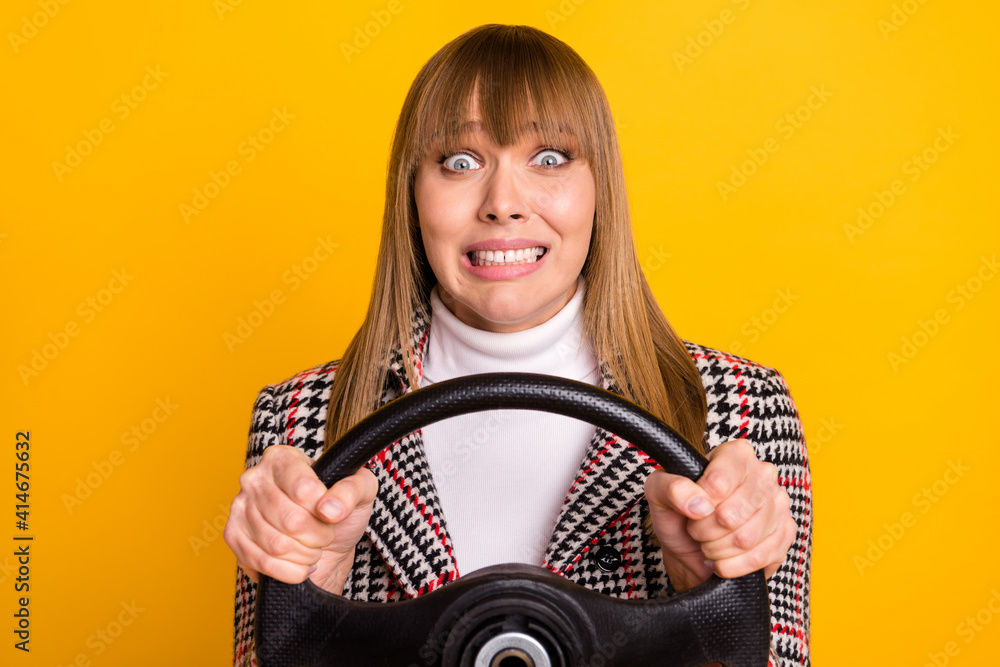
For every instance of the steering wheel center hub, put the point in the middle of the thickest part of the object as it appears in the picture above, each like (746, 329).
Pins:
(512, 649)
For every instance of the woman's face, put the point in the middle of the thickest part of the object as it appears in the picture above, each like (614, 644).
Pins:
(532, 201)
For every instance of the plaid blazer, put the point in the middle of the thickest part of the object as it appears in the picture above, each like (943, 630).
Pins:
(406, 551)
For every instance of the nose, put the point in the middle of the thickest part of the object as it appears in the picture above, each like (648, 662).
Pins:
(505, 196)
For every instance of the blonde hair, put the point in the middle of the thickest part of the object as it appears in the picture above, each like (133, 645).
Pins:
(524, 78)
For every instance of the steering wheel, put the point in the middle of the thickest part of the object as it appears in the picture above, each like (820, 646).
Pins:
(513, 615)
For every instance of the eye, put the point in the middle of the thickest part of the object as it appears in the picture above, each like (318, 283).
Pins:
(551, 158)
(460, 162)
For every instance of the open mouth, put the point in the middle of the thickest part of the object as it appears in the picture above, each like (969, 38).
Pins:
(506, 257)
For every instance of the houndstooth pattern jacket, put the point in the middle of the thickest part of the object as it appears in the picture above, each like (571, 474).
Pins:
(406, 551)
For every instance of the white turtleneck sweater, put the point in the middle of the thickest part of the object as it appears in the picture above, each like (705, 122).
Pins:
(502, 475)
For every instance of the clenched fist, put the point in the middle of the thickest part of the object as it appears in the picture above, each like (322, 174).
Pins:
(286, 524)
(735, 520)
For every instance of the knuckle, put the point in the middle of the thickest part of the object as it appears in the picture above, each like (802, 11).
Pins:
(275, 452)
(673, 485)
(767, 472)
(725, 517)
(696, 532)
(730, 516)
(716, 484)
(296, 490)
(270, 455)
(277, 544)
(295, 521)
(247, 477)
(759, 499)
(229, 533)
(744, 539)
(740, 447)
(238, 507)
(347, 491)
(253, 482)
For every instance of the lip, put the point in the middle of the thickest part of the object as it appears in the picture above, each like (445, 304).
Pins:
(502, 272)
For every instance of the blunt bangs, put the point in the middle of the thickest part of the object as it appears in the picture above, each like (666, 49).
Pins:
(525, 81)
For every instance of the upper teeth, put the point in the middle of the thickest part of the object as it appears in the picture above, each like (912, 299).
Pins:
(501, 257)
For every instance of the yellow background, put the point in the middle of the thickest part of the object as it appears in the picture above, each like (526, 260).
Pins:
(880, 430)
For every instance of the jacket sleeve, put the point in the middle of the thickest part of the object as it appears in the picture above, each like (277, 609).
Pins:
(265, 430)
(780, 441)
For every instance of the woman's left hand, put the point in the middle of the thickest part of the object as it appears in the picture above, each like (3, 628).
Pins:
(735, 520)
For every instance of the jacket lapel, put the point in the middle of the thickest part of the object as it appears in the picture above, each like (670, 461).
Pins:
(407, 526)
(608, 483)
(409, 529)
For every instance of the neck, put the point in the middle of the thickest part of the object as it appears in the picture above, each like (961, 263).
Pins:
(558, 346)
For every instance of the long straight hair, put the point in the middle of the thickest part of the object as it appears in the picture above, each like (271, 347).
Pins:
(524, 78)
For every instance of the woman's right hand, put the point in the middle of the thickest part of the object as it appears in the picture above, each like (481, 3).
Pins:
(285, 523)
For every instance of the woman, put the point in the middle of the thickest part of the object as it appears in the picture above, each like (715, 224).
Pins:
(506, 245)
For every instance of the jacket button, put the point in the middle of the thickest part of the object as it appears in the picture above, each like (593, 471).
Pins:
(608, 559)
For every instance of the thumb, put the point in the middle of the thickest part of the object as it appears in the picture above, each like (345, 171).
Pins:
(678, 493)
(332, 506)
(346, 495)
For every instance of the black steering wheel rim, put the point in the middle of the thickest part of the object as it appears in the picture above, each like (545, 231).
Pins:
(301, 624)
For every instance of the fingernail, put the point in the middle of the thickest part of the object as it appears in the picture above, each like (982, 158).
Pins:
(700, 507)
(331, 509)
(710, 564)
(313, 568)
